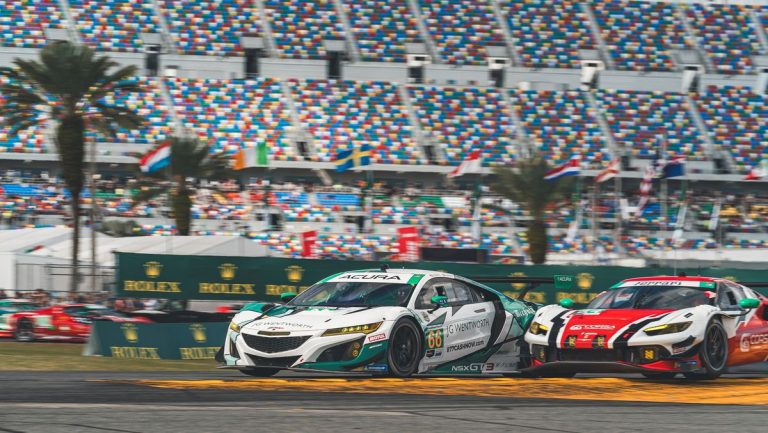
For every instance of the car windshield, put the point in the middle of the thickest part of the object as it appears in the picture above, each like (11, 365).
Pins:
(354, 294)
(651, 298)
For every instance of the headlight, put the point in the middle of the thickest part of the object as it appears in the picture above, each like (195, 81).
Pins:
(539, 329)
(357, 329)
(669, 328)
(234, 326)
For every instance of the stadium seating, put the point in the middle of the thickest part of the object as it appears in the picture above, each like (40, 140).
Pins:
(736, 120)
(640, 34)
(639, 120)
(22, 22)
(148, 104)
(300, 26)
(342, 115)
(560, 124)
(461, 29)
(114, 25)
(460, 120)
(548, 34)
(211, 27)
(231, 114)
(727, 34)
(382, 28)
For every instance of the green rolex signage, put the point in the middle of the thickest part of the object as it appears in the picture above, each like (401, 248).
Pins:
(156, 340)
(264, 278)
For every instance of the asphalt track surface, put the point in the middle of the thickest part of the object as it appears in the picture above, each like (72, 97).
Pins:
(225, 401)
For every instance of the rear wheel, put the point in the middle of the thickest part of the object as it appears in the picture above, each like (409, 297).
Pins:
(713, 353)
(25, 330)
(405, 349)
(259, 372)
(661, 375)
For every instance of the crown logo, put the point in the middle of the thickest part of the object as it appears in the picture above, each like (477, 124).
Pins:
(130, 332)
(584, 280)
(198, 332)
(153, 269)
(227, 271)
(518, 286)
(294, 273)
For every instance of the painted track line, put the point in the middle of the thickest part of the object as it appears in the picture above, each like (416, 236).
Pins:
(750, 391)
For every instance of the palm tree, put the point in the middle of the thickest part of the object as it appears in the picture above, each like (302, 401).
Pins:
(68, 86)
(526, 185)
(191, 161)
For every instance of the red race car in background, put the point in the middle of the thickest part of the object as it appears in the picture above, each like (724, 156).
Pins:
(657, 326)
(70, 322)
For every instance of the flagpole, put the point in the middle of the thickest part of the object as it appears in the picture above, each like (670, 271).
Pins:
(595, 193)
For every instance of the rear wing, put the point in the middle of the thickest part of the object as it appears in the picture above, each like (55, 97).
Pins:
(561, 282)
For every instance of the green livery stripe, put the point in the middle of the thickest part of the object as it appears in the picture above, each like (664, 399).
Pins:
(414, 280)
(370, 353)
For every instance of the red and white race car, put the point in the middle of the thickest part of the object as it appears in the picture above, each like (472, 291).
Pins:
(70, 322)
(658, 326)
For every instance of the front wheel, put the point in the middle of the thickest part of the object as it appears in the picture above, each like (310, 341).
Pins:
(405, 349)
(25, 331)
(713, 353)
(259, 372)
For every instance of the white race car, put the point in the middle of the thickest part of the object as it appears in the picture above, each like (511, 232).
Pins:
(396, 322)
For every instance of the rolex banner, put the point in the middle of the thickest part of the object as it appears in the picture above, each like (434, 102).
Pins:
(155, 340)
(245, 279)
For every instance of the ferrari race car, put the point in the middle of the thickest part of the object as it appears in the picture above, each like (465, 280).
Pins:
(658, 326)
(397, 322)
(62, 322)
(7, 308)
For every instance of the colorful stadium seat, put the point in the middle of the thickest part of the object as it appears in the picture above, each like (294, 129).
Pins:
(462, 29)
(382, 28)
(211, 27)
(548, 34)
(460, 120)
(342, 115)
(232, 114)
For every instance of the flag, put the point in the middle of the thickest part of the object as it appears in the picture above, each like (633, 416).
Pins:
(349, 159)
(645, 187)
(609, 172)
(758, 172)
(308, 242)
(408, 244)
(673, 168)
(472, 164)
(252, 157)
(571, 168)
(156, 159)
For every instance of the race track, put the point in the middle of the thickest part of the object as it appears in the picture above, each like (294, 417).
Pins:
(226, 401)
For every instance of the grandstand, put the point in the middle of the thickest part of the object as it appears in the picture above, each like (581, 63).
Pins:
(424, 83)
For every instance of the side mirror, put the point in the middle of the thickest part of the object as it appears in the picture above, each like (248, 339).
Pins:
(287, 296)
(439, 301)
(749, 303)
(566, 303)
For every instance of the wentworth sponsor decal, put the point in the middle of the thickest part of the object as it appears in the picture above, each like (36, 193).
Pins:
(465, 346)
(461, 327)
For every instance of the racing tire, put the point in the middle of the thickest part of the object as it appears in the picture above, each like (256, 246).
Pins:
(260, 372)
(25, 331)
(713, 353)
(406, 348)
(661, 375)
